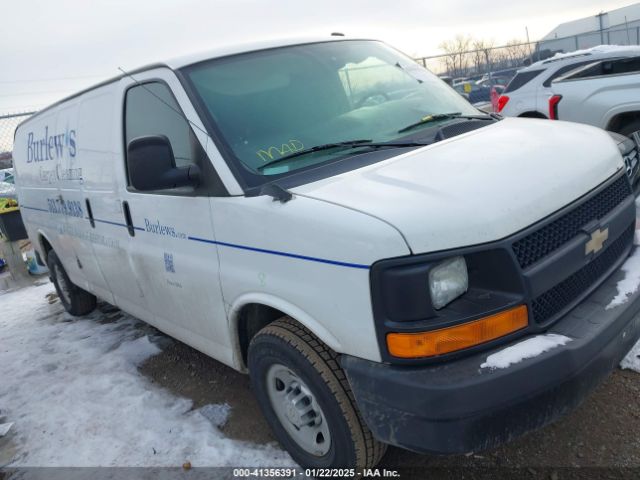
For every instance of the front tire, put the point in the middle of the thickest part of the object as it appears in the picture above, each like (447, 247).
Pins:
(306, 399)
(75, 300)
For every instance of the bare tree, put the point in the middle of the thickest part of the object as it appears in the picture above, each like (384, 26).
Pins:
(465, 55)
(483, 54)
(456, 55)
(515, 52)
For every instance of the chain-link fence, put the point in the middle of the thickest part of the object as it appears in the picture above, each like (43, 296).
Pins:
(469, 63)
(628, 34)
(8, 124)
(480, 71)
(469, 59)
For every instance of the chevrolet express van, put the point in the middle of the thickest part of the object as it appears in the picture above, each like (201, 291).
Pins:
(331, 218)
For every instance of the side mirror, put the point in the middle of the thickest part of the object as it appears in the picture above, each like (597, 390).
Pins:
(152, 166)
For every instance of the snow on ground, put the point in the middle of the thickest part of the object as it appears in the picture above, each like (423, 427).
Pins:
(529, 348)
(629, 284)
(73, 392)
(632, 360)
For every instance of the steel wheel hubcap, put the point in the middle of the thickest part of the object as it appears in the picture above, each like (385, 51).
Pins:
(65, 289)
(297, 410)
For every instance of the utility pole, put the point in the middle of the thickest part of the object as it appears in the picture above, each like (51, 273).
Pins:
(600, 18)
(626, 24)
(526, 29)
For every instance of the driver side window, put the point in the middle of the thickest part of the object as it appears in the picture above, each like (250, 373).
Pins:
(151, 109)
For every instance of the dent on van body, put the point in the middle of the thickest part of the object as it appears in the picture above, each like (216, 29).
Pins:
(307, 258)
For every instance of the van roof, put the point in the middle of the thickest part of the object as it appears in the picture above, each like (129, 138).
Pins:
(190, 59)
(242, 47)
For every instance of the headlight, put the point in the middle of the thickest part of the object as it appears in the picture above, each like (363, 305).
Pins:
(447, 281)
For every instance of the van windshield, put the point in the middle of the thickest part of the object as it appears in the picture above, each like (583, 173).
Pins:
(269, 104)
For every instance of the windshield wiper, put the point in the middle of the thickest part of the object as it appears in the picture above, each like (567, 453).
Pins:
(443, 116)
(342, 146)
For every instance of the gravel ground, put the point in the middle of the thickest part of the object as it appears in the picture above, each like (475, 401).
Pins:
(603, 432)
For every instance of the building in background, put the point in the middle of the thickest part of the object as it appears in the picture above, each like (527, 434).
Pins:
(616, 27)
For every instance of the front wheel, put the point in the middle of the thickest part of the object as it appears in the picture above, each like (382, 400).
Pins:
(75, 300)
(307, 401)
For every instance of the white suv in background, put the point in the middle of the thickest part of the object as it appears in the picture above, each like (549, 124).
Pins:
(528, 93)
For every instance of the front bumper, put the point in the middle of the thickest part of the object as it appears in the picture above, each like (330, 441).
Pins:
(458, 407)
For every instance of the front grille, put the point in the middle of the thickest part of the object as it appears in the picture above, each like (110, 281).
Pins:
(542, 242)
(554, 300)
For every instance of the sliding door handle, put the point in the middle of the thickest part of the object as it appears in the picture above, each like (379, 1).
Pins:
(127, 218)
(90, 213)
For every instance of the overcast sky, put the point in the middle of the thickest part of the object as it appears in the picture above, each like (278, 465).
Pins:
(49, 48)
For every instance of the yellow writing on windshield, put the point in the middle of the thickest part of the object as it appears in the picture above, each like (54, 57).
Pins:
(292, 146)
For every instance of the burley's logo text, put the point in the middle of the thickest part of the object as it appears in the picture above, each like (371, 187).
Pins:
(50, 147)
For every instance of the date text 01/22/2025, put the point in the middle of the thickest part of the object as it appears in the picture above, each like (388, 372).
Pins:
(315, 473)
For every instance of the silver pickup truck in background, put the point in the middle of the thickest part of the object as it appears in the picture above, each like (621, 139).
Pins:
(606, 94)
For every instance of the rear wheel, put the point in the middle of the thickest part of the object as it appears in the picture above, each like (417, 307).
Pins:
(75, 300)
(307, 401)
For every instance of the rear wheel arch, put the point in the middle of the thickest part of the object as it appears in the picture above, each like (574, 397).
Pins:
(533, 114)
(45, 246)
(76, 301)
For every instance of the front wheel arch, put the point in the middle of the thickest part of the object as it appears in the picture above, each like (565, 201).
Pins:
(252, 312)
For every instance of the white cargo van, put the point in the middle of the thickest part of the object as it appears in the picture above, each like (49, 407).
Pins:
(336, 221)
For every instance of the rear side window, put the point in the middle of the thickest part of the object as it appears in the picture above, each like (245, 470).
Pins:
(618, 66)
(521, 79)
(563, 70)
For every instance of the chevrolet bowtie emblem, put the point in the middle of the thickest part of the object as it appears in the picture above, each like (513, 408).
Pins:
(594, 245)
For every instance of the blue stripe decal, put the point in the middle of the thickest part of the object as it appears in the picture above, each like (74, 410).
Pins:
(233, 245)
(34, 208)
(282, 254)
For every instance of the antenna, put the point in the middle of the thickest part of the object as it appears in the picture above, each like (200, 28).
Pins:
(179, 112)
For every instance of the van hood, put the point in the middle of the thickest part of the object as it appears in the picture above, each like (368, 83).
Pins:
(478, 187)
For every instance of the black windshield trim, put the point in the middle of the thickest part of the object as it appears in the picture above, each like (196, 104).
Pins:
(330, 168)
(248, 180)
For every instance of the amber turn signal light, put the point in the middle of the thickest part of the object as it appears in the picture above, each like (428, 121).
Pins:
(451, 339)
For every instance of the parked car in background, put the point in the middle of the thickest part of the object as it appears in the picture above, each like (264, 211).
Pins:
(6, 175)
(528, 92)
(497, 80)
(446, 79)
(496, 92)
(605, 94)
(7, 187)
(473, 92)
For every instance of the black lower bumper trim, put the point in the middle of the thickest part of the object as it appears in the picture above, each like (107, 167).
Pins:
(460, 407)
